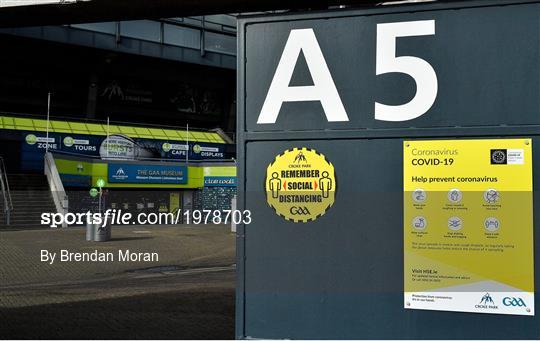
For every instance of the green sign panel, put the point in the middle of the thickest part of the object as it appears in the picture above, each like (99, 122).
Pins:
(100, 183)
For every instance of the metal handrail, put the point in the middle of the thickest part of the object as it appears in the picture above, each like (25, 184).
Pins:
(6, 193)
(58, 192)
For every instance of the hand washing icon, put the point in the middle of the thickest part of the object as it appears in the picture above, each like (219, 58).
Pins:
(419, 195)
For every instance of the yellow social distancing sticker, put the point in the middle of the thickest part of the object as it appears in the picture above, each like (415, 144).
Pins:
(300, 184)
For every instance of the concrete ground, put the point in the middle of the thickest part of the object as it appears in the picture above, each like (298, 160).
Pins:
(188, 293)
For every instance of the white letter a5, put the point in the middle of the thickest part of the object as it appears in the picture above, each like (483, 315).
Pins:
(323, 88)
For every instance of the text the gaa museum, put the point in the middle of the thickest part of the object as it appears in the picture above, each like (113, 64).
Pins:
(300, 184)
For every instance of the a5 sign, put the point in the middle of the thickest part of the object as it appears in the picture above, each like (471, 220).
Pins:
(439, 68)
(324, 89)
(420, 70)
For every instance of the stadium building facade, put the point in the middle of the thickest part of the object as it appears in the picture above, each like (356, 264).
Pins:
(124, 99)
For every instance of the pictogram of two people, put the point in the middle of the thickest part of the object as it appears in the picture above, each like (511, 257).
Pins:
(325, 184)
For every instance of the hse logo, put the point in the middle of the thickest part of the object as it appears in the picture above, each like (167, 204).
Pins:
(300, 185)
(487, 302)
(507, 156)
(498, 156)
(513, 302)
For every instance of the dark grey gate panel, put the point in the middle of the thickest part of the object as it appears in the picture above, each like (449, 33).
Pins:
(341, 276)
(486, 60)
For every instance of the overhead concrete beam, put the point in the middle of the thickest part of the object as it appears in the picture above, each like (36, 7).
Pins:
(70, 12)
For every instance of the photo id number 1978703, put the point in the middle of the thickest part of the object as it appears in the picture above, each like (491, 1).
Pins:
(217, 217)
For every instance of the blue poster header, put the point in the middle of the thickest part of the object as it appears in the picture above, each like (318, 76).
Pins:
(220, 181)
(146, 174)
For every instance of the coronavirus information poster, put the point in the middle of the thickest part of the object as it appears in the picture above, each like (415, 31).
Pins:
(468, 226)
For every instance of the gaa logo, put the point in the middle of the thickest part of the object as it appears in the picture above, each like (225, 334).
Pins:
(514, 302)
(297, 210)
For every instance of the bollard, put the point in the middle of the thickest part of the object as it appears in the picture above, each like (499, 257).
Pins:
(102, 233)
(90, 230)
(233, 208)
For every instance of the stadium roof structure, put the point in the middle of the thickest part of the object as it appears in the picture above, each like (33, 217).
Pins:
(58, 12)
(82, 128)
